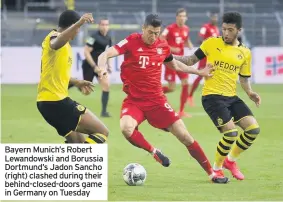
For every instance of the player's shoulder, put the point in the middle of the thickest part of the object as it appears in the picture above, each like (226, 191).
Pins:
(244, 48)
(133, 37)
(171, 26)
(162, 42)
(186, 27)
(214, 39)
(52, 34)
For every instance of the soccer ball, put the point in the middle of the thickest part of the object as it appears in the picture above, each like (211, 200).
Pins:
(134, 174)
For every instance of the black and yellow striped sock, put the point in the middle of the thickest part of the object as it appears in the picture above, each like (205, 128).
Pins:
(223, 147)
(96, 138)
(245, 140)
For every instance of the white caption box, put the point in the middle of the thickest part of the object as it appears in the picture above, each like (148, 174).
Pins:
(54, 172)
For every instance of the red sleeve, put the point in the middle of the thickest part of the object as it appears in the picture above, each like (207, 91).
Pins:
(123, 46)
(166, 31)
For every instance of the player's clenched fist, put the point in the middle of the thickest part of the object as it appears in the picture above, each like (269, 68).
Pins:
(86, 18)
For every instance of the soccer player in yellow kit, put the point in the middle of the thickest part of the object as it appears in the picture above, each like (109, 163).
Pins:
(230, 58)
(69, 118)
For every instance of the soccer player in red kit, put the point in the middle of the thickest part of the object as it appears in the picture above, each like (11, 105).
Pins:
(207, 30)
(177, 36)
(141, 70)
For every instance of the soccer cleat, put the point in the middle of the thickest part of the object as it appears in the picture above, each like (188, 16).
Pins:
(105, 114)
(161, 158)
(191, 101)
(219, 178)
(185, 115)
(232, 166)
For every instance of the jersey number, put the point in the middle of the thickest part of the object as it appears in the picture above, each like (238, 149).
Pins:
(170, 109)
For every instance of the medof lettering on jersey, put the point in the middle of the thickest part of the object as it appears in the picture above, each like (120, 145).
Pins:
(226, 66)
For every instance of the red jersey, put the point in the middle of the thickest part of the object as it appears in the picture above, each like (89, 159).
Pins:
(176, 36)
(208, 30)
(142, 66)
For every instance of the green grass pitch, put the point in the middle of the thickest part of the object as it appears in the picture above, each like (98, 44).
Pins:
(184, 180)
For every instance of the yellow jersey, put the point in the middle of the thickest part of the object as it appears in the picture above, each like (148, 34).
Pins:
(55, 70)
(229, 62)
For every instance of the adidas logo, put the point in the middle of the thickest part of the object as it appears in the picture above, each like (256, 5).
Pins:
(140, 50)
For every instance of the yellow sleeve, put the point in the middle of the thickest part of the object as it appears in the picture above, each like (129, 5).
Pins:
(206, 45)
(245, 70)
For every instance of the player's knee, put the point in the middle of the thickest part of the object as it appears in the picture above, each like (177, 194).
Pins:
(187, 139)
(127, 128)
(253, 129)
(231, 133)
(105, 87)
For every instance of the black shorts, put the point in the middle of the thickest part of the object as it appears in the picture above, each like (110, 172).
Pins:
(221, 109)
(63, 115)
(88, 73)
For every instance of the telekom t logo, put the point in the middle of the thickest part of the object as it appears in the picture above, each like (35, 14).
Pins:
(143, 61)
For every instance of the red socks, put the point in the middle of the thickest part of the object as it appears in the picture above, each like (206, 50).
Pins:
(138, 140)
(195, 85)
(196, 152)
(184, 97)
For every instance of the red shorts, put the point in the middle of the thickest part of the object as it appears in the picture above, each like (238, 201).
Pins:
(170, 75)
(202, 63)
(160, 115)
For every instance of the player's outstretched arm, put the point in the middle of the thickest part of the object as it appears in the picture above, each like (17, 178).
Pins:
(67, 34)
(246, 85)
(102, 61)
(103, 57)
(188, 60)
(179, 66)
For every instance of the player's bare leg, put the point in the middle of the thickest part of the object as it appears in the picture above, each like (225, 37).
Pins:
(105, 87)
(245, 140)
(129, 129)
(184, 97)
(170, 88)
(179, 130)
(91, 125)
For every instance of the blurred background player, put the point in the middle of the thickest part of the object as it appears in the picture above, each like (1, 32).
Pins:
(177, 36)
(95, 45)
(69, 118)
(144, 55)
(207, 30)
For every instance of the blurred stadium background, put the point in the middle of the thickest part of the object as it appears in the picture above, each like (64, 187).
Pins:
(26, 22)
